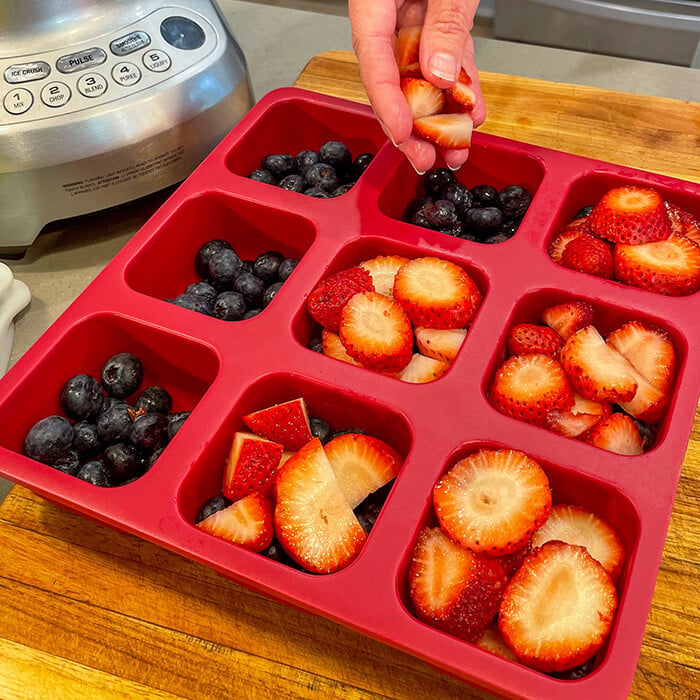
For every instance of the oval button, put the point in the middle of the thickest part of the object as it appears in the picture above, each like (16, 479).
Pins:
(18, 101)
(92, 85)
(126, 73)
(157, 61)
(55, 94)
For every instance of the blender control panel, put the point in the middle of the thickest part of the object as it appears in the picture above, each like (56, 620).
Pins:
(136, 57)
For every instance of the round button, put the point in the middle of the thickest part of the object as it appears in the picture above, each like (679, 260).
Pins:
(92, 85)
(182, 33)
(157, 61)
(18, 101)
(55, 94)
(126, 73)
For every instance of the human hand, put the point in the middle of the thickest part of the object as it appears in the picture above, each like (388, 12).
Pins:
(446, 46)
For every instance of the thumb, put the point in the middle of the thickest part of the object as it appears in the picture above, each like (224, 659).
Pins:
(444, 38)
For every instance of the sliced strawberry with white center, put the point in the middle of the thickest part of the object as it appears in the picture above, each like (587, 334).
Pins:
(422, 96)
(580, 418)
(577, 525)
(558, 244)
(421, 370)
(247, 522)
(451, 588)
(617, 433)
(460, 97)
(333, 347)
(383, 270)
(670, 267)
(596, 370)
(439, 344)
(568, 317)
(492, 641)
(528, 387)
(558, 609)
(437, 293)
(314, 522)
(251, 465)
(445, 130)
(683, 223)
(330, 295)
(493, 500)
(362, 464)
(407, 45)
(287, 423)
(526, 338)
(376, 332)
(648, 403)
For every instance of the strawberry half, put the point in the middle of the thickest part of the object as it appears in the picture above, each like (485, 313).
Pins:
(436, 293)
(528, 387)
(460, 97)
(569, 317)
(247, 522)
(407, 46)
(422, 96)
(361, 464)
(333, 347)
(618, 433)
(251, 465)
(558, 609)
(327, 300)
(631, 215)
(670, 267)
(596, 370)
(376, 332)
(453, 589)
(313, 521)
(287, 423)
(446, 130)
(558, 244)
(577, 525)
(589, 255)
(383, 270)
(421, 370)
(493, 500)
(526, 338)
(439, 344)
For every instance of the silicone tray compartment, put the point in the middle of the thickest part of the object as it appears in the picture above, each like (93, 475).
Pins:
(224, 370)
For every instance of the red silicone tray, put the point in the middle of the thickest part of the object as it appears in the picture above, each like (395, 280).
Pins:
(223, 370)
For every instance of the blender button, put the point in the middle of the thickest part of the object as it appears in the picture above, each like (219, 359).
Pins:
(18, 101)
(92, 85)
(157, 61)
(25, 72)
(130, 43)
(55, 94)
(126, 73)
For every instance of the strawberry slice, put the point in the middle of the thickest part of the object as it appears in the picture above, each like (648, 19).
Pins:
(383, 270)
(649, 349)
(526, 338)
(439, 344)
(287, 423)
(407, 45)
(618, 433)
(631, 215)
(589, 255)
(493, 500)
(648, 403)
(577, 525)
(362, 464)
(313, 521)
(596, 370)
(445, 130)
(437, 293)
(251, 465)
(421, 370)
(683, 223)
(558, 609)
(333, 347)
(670, 267)
(460, 97)
(247, 522)
(579, 419)
(528, 387)
(558, 244)
(422, 96)
(492, 641)
(376, 332)
(327, 300)
(453, 589)
(569, 317)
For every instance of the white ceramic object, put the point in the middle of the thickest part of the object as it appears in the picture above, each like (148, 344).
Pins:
(14, 296)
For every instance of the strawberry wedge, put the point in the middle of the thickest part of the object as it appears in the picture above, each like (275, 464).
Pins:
(439, 344)
(452, 131)
(251, 465)
(422, 96)
(383, 270)
(286, 423)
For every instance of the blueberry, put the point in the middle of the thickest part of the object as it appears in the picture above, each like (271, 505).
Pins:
(577, 672)
(114, 425)
(246, 265)
(86, 440)
(359, 165)
(224, 267)
(155, 399)
(261, 175)
(508, 228)
(305, 159)
(194, 303)
(337, 154)
(440, 214)
(286, 268)
(437, 179)
(485, 196)
(122, 375)
(366, 523)
(347, 431)
(267, 264)
(203, 290)
(514, 201)
(69, 463)
(647, 432)
(211, 506)
(150, 431)
(320, 429)
(459, 195)
(316, 344)
(250, 287)
(279, 165)
(150, 458)
(270, 293)
(81, 397)
(205, 254)
(293, 183)
(496, 238)
(122, 461)
(343, 189)
(276, 552)
(251, 313)
(323, 176)
(414, 206)
(95, 473)
(585, 211)
(420, 219)
(469, 236)
(229, 306)
(483, 221)
(110, 401)
(317, 192)
(48, 439)
(175, 422)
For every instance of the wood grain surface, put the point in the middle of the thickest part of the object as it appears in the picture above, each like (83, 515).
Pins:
(86, 612)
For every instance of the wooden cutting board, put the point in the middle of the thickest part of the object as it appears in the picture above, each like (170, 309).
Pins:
(86, 612)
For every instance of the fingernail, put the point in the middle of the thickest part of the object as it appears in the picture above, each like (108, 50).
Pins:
(443, 65)
(420, 172)
(456, 167)
(387, 132)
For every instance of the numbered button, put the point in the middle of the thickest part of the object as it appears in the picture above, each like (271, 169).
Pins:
(126, 73)
(55, 94)
(92, 85)
(157, 61)
(18, 101)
